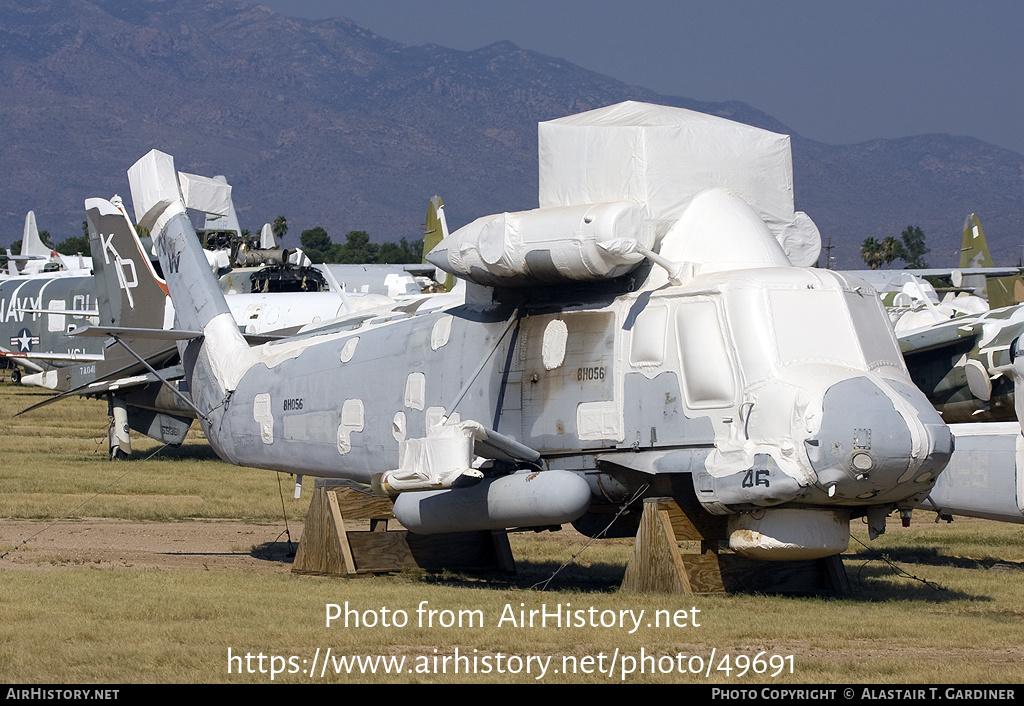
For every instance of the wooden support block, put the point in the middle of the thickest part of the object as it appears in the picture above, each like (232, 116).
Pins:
(351, 533)
(320, 550)
(657, 565)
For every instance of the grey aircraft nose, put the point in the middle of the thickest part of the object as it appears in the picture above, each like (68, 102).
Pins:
(865, 445)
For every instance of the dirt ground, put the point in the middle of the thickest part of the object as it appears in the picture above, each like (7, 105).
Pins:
(213, 545)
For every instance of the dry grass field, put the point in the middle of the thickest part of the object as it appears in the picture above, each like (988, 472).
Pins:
(176, 569)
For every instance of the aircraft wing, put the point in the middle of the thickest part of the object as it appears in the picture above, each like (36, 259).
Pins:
(114, 381)
(54, 357)
(158, 334)
(424, 270)
(872, 276)
(172, 334)
(62, 312)
(950, 271)
(934, 337)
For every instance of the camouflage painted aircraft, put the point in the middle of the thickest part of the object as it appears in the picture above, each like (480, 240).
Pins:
(999, 290)
(573, 374)
(965, 362)
(971, 369)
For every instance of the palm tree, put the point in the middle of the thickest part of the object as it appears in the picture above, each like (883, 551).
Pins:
(871, 251)
(891, 249)
(279, 227)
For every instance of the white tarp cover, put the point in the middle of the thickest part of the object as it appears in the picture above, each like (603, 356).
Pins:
(153, 181)
(662, 157)
(210, 195)
(545, 245)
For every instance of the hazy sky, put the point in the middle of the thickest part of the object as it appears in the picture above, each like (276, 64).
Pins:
(835, 71)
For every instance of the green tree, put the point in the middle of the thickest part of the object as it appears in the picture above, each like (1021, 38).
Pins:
(280, 228)
(75, 245)
(402, 253)
(316, 244)
(357, 249)
(914, 248)
(891, 249)
(871, 251)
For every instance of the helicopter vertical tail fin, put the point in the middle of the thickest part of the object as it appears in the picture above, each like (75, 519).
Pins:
(199, 304)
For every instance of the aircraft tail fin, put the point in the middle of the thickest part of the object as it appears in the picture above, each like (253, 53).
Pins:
(129, 291)
(973, 248)
(199, 304)
(974, 252)
(436, 230)
(267, 239)
(31, 244)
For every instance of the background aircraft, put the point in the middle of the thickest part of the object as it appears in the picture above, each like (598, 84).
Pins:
(129, 293)
(999, 290)
(38, 259)
(37, 313)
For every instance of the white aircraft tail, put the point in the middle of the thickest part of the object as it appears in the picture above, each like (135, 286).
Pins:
(267, 239)
(31, 244)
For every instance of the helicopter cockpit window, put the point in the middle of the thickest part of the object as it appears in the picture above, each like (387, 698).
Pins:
(813, 325)
(877, 339)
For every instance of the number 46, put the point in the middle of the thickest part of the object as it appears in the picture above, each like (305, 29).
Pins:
(752, 478)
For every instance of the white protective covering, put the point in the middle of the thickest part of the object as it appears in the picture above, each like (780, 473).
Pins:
(153, 181)
(209, 195)
(546, 245)
(721, 231)
(789, 534)
(437, 460)
(663, 157)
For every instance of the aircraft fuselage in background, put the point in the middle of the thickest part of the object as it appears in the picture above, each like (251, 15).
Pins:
(38, 341)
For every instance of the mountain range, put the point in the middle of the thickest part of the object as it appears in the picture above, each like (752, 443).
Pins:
(328, 124)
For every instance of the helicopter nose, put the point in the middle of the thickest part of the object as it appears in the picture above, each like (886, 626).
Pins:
(868, 445)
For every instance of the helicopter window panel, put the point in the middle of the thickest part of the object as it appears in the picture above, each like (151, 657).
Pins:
(647, 346)
(814, 325)
(708, 379)
(876, 336)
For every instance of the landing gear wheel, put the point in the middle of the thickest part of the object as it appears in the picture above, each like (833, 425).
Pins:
(16, 376)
